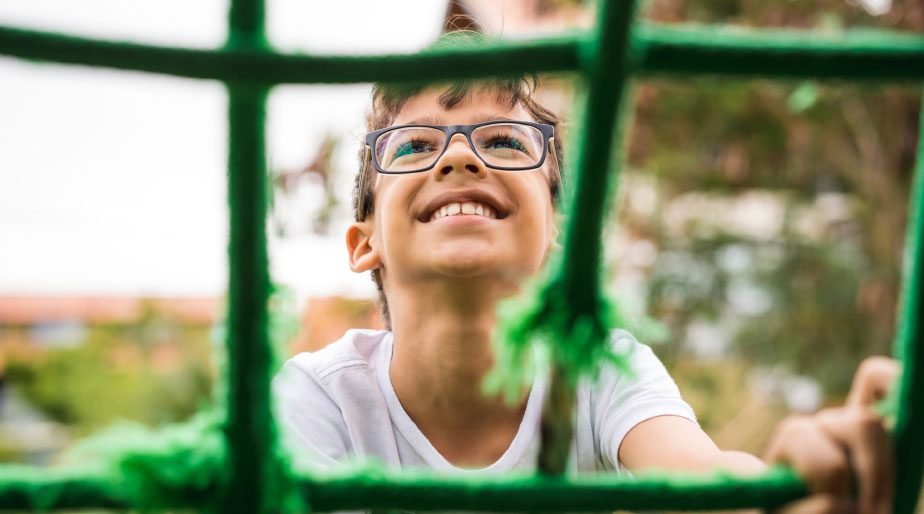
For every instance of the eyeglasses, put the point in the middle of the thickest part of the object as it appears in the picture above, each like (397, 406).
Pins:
(500, 145)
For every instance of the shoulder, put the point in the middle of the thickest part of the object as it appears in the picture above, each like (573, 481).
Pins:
(313, 377)
(315, 393)
(642, 377)
(356, 349)
(641, 362)
(622, 400)
(331, 375)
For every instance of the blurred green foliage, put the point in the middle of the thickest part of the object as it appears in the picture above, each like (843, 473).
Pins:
(816, 289)
(153, 371)
(838, 166)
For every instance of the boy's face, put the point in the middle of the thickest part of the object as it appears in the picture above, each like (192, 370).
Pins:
(403, 239)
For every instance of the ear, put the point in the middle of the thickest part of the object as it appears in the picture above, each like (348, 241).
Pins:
(363, 255)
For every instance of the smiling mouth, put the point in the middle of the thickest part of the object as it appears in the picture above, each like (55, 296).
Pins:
(469, 203)
(464, 209)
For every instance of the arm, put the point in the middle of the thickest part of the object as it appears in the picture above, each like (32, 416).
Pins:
(678, 444)
(831, 449)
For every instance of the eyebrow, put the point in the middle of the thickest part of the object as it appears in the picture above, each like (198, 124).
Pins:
(431, 120)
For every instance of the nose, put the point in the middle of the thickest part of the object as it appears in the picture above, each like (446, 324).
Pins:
(458, 157)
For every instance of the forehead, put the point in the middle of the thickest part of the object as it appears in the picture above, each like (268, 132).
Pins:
(478, 105)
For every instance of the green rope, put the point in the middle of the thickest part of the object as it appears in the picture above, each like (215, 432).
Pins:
(376, 489)
(32, 489)
(127, 466)
(246, 21)
(174, 467)
(742, 52)
(26, 488)
(255, 481)
(908, 434)
(570, 317)
(657, 50)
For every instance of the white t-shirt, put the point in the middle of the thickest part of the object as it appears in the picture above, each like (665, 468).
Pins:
(338, 405)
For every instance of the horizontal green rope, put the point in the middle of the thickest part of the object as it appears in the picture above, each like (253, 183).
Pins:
(657, 50)
(126, 467)
(34, 489)
(378, 490)
(722, 50)
(909, 423)
(268, 67)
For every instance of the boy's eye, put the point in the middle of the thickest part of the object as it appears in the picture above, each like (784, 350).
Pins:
(503, 142)
(412, 147)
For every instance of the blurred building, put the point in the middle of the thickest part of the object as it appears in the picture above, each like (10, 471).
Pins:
(324, 320)
(33, 323)
(33, 326)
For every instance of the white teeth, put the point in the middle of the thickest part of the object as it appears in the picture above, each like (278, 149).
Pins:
(467, 208)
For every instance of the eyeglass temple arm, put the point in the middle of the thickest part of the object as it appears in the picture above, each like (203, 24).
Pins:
(361, 199)
(554, 155)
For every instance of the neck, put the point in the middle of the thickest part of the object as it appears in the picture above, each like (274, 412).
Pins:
(442, 351)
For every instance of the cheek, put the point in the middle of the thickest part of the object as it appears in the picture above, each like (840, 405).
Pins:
(534, 232)
(393, 218)
(391, 229)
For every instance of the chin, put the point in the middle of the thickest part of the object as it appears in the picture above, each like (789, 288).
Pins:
(472, 265)
(466, 269)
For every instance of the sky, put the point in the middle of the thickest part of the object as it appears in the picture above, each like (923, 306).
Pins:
(113, 183)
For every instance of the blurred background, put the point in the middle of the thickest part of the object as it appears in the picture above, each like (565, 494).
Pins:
(759, 223)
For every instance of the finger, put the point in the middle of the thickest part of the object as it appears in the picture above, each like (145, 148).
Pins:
(821, 461)
(884, 506)
(863, 435)
(819, 504)
(873, 380)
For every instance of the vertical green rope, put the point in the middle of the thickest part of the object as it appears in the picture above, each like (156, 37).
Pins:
(254, 480)
(908, 436)
(249, 427)
(583, 335)
(598, 154)
(246, 21)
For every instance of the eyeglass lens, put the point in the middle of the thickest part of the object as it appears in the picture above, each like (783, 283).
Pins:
(505, 145)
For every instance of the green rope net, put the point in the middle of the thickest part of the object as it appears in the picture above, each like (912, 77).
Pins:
(230, 461)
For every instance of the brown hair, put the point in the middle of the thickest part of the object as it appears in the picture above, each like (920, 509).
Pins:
(387, 102)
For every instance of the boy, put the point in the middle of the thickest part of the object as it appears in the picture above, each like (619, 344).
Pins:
(452, 219)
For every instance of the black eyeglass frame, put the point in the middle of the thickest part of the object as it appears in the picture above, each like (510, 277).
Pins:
(547, 131)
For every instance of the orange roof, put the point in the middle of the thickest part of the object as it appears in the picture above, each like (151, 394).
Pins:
(25, 310)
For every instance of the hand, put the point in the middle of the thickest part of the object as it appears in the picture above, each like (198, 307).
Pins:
(843, 449)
